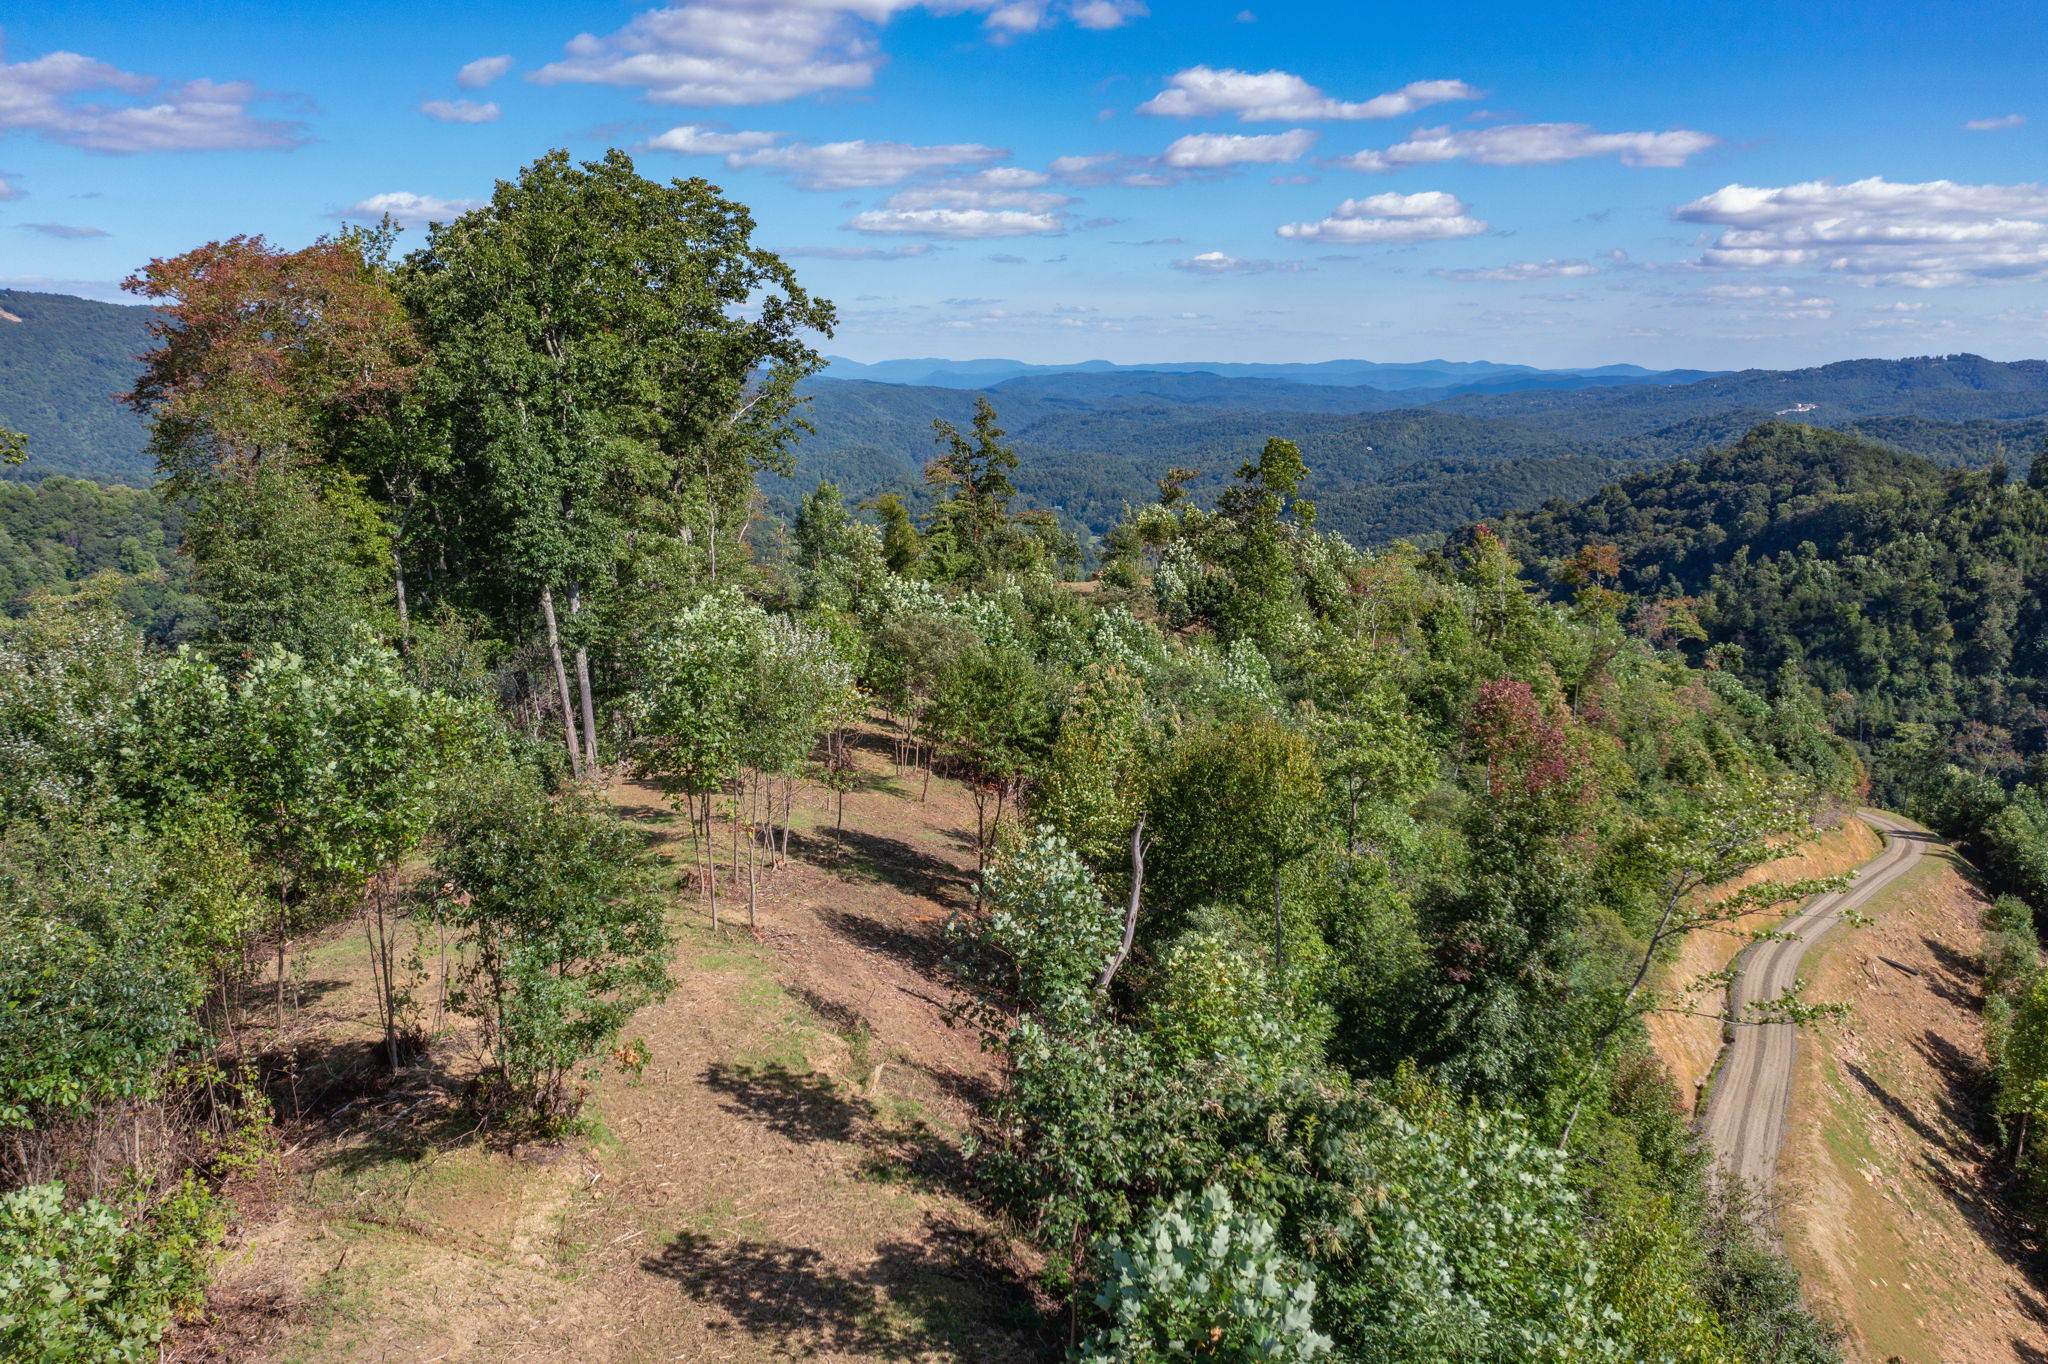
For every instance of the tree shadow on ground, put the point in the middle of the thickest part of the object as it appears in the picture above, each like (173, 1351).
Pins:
(1961, 1170)
(950, 1290)
(255, 999)
(352, 1111)
(852, 852)
(810, 1109)
(1958, 978)
(804, 1108)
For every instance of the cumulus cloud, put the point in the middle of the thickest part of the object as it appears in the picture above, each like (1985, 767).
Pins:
(1875, 231)
(1217, 263)
(1429, 216)
(1992, 125)
(461, 110)
(1533, 144)
(1282, 97)
(1112, 168)
(481, 72)
(408, 209)
(963, 223)
(1105, 14)
(1768, 302)
(953, 195)
(1000, 202)
(65, 231)
(907, 251)
(1028, 16)
(861, 164)
(699, 139)
(9, 191)
(733, 52)
(44, 96)
(1214, 151)
(1523, 272)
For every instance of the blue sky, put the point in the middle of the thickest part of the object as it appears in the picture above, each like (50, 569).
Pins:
(1718, 185)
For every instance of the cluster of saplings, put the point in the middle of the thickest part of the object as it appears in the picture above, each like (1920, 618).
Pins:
(1324, 892)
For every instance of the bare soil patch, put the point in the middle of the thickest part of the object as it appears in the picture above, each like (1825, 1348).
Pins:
(1889, 1184)
(784, 1180)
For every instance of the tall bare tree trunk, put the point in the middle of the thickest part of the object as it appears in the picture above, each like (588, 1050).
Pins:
(583, 687)
(547, 612)
(1138, 847)
(404, 616)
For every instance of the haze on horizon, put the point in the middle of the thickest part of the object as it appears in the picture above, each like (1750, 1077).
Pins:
(1057, 180)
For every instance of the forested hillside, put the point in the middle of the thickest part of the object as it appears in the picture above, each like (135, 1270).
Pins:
(1917, 592)
(1319, 890)
(1944, 388)
(1916, 598)
(62, 361)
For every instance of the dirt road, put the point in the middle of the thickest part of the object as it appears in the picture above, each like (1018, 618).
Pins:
(1745, 1119)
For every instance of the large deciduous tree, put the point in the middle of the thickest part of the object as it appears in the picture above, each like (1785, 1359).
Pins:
(614, 359)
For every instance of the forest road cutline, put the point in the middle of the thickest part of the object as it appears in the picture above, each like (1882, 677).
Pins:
(1745, 1114)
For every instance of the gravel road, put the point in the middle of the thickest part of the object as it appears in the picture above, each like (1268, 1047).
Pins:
(1745, 1118)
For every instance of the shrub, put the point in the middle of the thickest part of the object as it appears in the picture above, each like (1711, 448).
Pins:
(1203, 1279)
(564, 935)
(87, 1283)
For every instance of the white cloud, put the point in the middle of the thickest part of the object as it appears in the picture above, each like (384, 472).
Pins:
(69, 232)
(1747, 291)
(1109, 168)
(733, 52)
(1777, 302)
(861, 164)
(1013, 17)
(1216, 263)
(1390, 218)
(461, 110)
(1211, 151)
(1898, 307)
(953, 195)
(1876, 231)
(9, 191)
(1106, 14)
(481, 72)
(1523, 272)
(1992, 125)
(999, 202)
(1533, 144)
(201, 115)
(963, 223)
(408, 209)
(1282, 97)
(907, 251)
(698, 139)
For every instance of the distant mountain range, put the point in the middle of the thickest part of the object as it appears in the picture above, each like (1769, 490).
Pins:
(1394, 449)
(935, 373)
(1409, 463)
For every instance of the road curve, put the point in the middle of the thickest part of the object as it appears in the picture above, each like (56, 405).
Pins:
(1745, 1117)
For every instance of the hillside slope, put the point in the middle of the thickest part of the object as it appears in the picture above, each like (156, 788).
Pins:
(62, 359)
(1889, 1186)
(1917, 595)
(784, 1181)
(1947, 388)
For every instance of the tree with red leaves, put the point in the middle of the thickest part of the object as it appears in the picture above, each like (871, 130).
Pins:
(262, 353)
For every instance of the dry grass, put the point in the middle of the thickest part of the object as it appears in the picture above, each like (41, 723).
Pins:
(1888, 1179)
(784, 1179)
